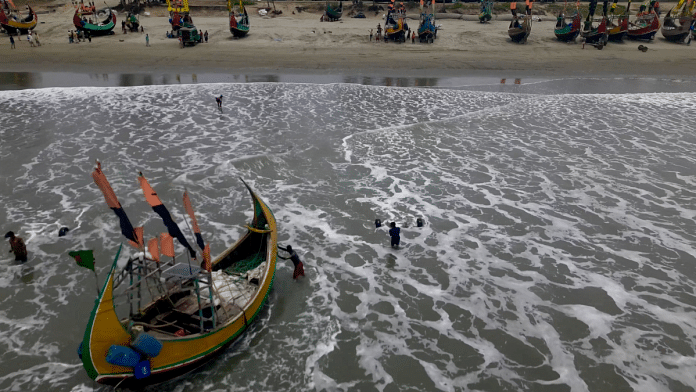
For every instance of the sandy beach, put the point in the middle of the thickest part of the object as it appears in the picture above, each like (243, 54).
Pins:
(301, 42)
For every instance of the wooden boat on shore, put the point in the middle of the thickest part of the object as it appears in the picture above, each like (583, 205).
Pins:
(12, 21)
(239, 24)
(486, 12)
(333, 12)
(521, 25)
(157, 318)
(427, 31)
(596, 34)
(568, 27)
(179, 14)
(646, 24)
(617, 26)
(676, 26)
(104, 20)
(395, 26)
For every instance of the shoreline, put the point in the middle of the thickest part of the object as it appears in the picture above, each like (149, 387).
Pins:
(299, 43)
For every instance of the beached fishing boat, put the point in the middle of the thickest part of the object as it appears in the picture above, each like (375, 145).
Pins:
(486, 11)
(596, 33)
(239, 23)
(12, 21)
(427, 30)
(521, 24)
(617, 26)
(646, 24)
(395, 26)
(676, 26)
(333, 11)
(179, 14)
(88, 19)
(159, 316)
(568, 27)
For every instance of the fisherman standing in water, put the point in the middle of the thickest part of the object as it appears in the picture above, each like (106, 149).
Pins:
(299, 267)
(395, 233)
(18, 247)
(219, 101)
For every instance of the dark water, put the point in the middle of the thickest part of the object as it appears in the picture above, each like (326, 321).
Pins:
(557, 252)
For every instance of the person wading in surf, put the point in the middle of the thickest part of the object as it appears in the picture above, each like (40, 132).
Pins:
(299, 267)
(219, 101)
(18, 247)
(395, 233)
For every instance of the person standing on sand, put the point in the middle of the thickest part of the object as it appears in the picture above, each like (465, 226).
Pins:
(205, 35)
(370, 35)
(17, 247)
(12, 43)
(36, 38)
(379, 31)
(413, 37)
(30, 40)
(147, 39)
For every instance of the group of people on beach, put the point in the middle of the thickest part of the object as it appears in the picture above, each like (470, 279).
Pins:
(409, 35)
(32, 39)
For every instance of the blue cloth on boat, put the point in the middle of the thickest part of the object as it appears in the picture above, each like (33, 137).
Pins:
(122, 356)
(142, 369)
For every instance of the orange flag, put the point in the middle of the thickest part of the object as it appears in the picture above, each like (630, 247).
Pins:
(166, 244)
(513, 5)
(138, 231)
(153, 248)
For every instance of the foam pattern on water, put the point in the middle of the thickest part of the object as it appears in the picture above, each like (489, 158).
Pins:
(557, 252)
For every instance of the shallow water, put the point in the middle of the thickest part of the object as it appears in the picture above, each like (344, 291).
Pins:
(557, 252)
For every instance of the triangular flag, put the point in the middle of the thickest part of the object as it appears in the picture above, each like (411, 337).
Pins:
(167, 244)
(138, 232)
(153, 248)
(84, 258)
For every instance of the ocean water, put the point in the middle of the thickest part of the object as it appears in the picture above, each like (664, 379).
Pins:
(557, 251)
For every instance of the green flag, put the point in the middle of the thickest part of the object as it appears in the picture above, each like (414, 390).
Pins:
(84, 258)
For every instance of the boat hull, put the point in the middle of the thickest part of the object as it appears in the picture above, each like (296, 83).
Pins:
(519, 31)
(106, 28)
(676, 30)
(644, 28)
(570, 31)
(598, 34)
(239, 32)
(14, 26)
(618, 32)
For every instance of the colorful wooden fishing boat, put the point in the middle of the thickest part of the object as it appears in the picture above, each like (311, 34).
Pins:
(239, 24)
(617, 26)
(568, 27)
(521, 25)
(103, 23)
(676, 26)
(179, 14)
(427, 30)
(333, 12)
(157, 318)
(486, 12)
(395, 26)
(596, 34)
(646, 24)
(12, 21)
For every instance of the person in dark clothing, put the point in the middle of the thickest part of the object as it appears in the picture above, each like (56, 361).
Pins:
(219, 101)
(18, 247)
(299, 267)
(395, 233)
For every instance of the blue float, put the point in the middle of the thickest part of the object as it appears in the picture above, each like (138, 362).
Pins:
(147, 345)
(122, 356)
